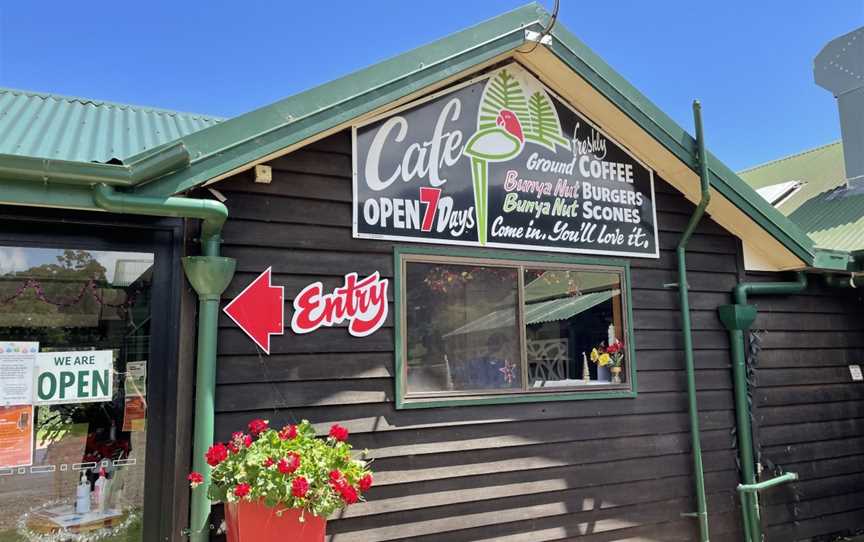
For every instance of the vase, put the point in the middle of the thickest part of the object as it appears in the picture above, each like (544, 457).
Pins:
(249, 521)
(616, 375)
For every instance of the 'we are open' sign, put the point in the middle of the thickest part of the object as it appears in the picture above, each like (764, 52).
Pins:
(74, 377)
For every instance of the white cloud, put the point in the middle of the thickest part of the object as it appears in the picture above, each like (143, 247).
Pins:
(13, 259)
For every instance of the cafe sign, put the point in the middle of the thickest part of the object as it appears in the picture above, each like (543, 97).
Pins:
(501, 161)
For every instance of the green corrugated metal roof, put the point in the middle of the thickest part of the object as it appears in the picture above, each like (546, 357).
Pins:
(821, 169)
(68, 128)
(537, 313)
(831, 214)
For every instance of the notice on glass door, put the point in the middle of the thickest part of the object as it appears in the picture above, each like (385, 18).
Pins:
(85, 376)
(17, 362)
(16, 436)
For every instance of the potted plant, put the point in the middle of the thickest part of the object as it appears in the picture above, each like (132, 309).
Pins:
(611, 356)
(282, 485)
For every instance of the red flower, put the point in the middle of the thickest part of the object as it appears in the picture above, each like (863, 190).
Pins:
(365, 483)
(289, 464)
(337, 432)
(238, 439)
(242, 490)
(349, 494)
(614, 348)
(268, 462)
(258, 426)
(288, 432)
(195, 479)
(299, 487)
(216, 454)
(341, 486)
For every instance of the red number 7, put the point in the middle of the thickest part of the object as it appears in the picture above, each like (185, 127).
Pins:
(430, 197)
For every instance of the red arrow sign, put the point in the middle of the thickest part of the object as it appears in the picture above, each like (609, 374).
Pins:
(259, 310)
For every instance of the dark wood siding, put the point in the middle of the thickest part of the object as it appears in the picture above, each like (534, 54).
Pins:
(525, 472)
(808, 414)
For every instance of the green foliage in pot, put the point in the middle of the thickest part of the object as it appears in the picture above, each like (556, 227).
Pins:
(289, 468)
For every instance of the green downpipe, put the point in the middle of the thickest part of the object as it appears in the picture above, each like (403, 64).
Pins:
(738, 318)
(209, 275)
(213, 213)
(686, 328)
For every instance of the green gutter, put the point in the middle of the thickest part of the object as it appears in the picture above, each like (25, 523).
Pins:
(209, 276)
(738, 318)
(681, 252)
(148, 165)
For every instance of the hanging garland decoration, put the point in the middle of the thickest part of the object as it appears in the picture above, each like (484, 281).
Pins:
(90, 286)
(65, 535)
(441, 278)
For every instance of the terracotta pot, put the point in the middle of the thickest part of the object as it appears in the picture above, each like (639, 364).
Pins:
(255, 522)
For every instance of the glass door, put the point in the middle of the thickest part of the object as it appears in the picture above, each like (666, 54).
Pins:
(75, 338)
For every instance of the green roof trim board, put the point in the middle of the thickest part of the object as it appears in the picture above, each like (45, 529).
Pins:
(40, 125)
(222, 148)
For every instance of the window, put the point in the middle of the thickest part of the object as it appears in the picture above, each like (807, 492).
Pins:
(74, 459)
(486, 329)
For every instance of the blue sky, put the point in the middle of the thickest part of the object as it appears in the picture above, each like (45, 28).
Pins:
(749, 62)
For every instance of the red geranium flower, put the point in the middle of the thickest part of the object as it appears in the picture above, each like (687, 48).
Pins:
(247, 440)
(258, 426)
(288, 432)
(349, 494)
(195, 479)
(337, 432)
(289, 464)
(216, 454)
(268, 462)
(241, 490)
(299, 487)
(335, 476)
(365, 483)
(233, 447)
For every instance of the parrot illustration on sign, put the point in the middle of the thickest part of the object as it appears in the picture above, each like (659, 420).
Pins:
(505, 121)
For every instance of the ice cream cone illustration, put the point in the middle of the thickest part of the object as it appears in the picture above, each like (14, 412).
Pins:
(491, 145)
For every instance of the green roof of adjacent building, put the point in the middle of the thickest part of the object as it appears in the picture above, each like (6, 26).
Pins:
(829, 212)
(83, 130)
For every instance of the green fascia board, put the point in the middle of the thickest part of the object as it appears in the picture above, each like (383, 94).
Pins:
(47, 195)
(575, 54)
(238, 141)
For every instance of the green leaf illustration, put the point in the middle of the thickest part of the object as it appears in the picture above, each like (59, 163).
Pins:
(502, 92)
(544, 128)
